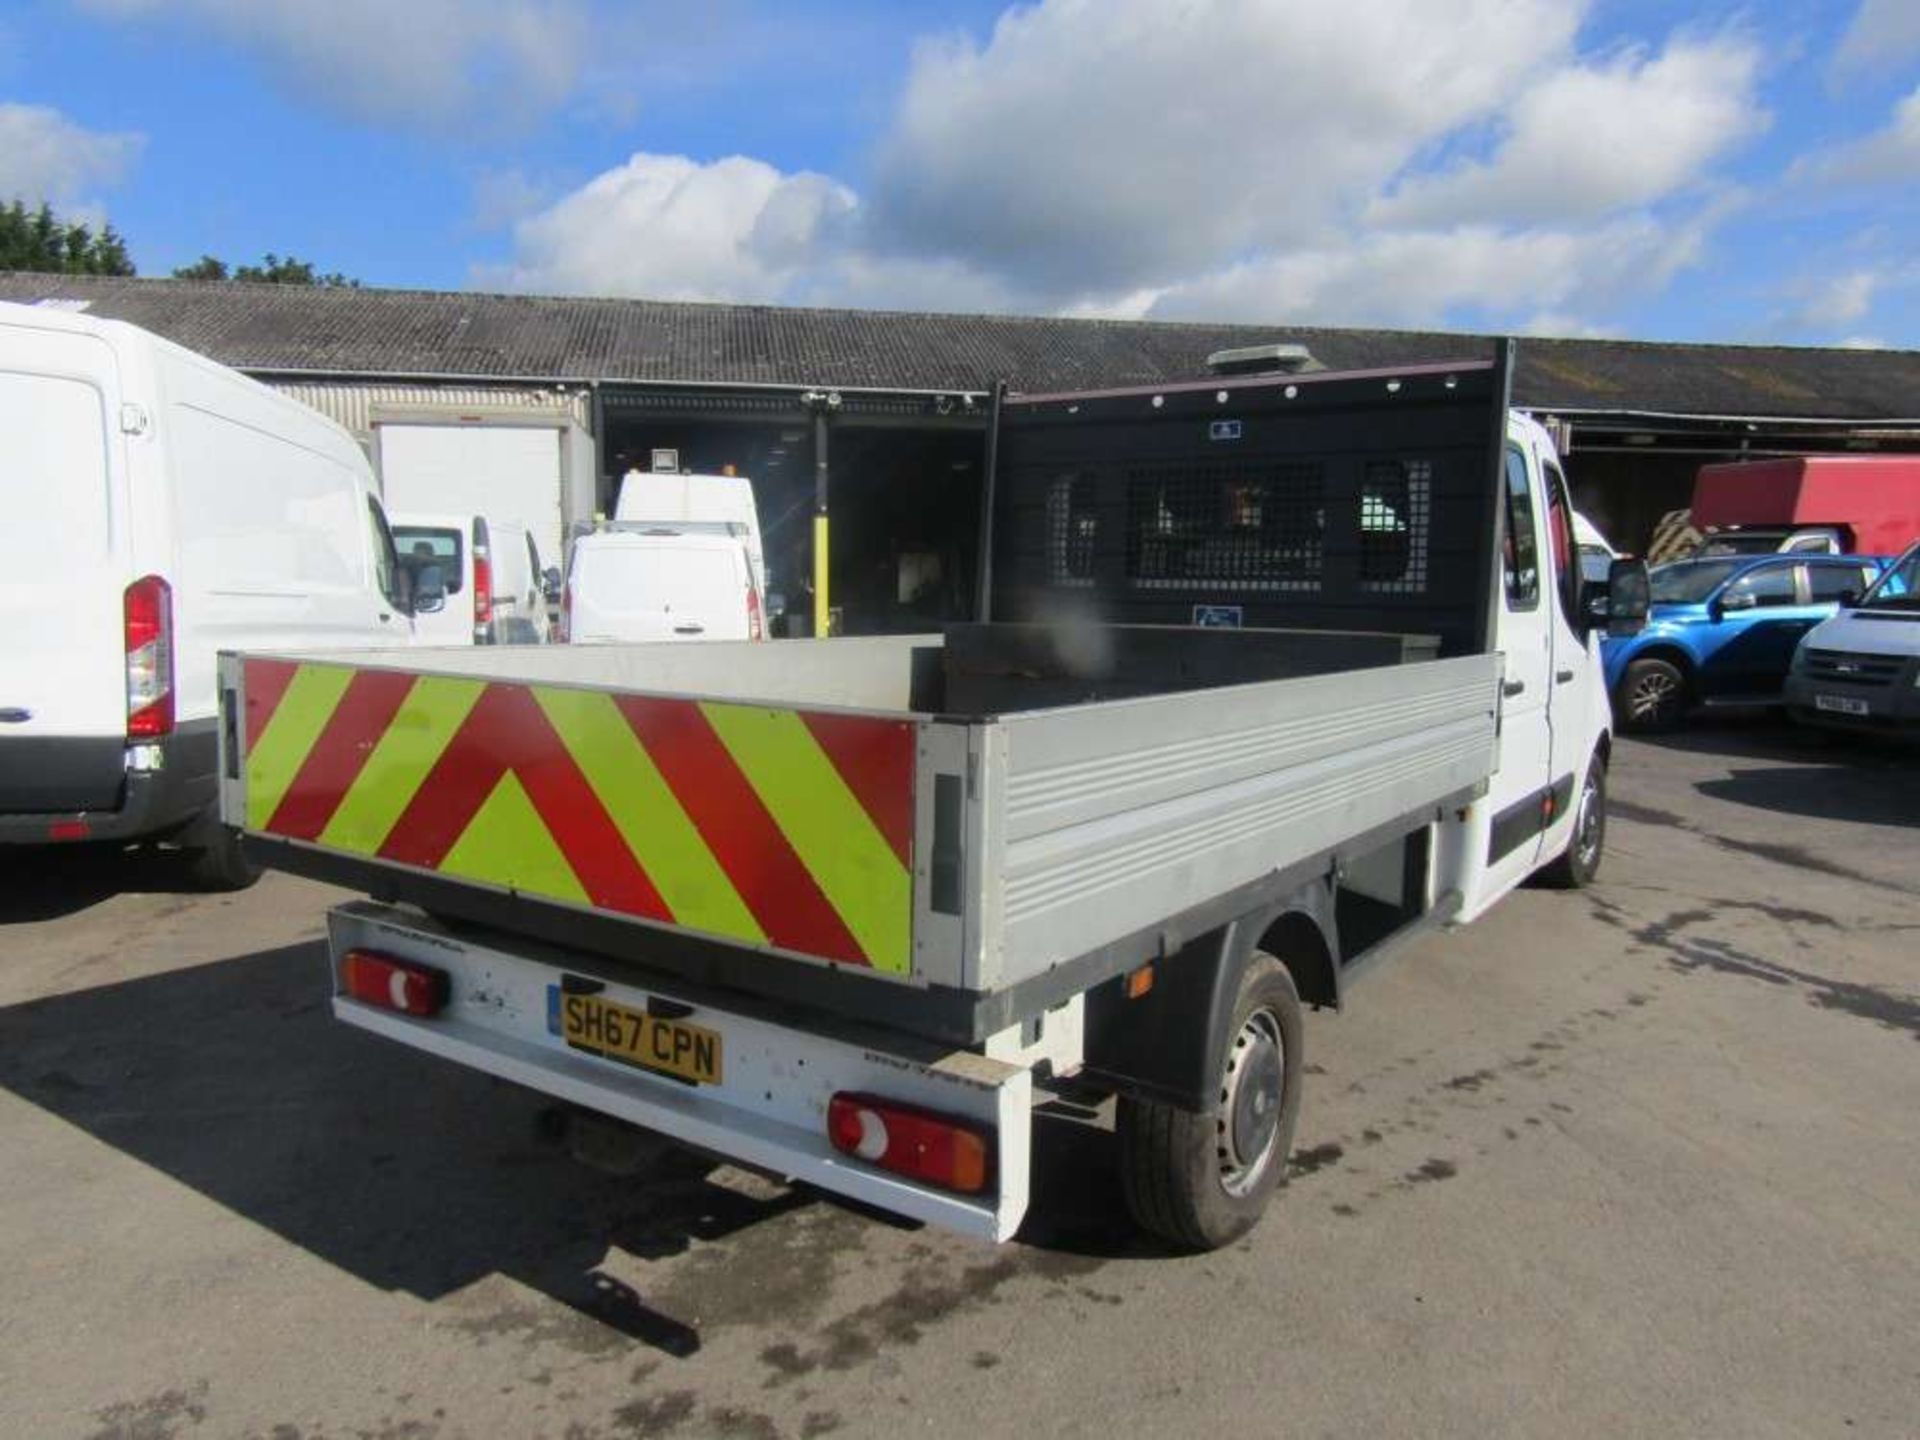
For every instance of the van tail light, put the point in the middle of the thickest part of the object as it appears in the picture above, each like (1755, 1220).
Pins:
(393, 984)
(566, 612)
(149, 645)
(756, 627)
(482, 597)
(909, 1141)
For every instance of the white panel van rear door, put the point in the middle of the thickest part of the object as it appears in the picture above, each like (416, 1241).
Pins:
(62, 533)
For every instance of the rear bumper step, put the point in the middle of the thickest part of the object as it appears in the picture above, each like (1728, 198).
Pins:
(769, 1108)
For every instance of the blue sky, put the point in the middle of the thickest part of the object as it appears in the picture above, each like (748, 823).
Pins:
(1737, 173)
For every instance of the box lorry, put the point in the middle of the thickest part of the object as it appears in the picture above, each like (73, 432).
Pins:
(159, 508)
(1822, 504)
(1270, 676)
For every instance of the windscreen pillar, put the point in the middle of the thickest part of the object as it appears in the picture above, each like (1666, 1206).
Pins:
(822, 403)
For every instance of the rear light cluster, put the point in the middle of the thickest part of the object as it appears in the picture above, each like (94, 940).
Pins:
(393, 984)
(566, 612)
(909, 1141)
(149, 647)
(756, 627)
(482, 586)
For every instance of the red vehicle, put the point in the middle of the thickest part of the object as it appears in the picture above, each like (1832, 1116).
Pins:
(1826, 504)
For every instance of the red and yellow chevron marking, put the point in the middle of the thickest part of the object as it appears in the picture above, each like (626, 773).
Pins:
(775, 827)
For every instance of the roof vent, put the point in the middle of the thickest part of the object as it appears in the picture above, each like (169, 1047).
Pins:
(1280, 359)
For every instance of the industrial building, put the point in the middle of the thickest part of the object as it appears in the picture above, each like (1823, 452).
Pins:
(884, 413)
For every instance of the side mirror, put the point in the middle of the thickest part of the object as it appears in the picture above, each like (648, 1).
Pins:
(429, 590)
(776, 604)
(1849, 599)
(1734, 600)
(550, 583)
(1629, 597)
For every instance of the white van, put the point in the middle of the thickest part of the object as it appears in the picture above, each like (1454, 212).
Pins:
(659, 584)
(1859, 669)
(713, 504)
(489, 571)
(159, 508)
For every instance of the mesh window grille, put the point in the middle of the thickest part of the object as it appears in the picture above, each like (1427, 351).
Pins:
(1395, 502)
(1073, 528)
(1247, 526)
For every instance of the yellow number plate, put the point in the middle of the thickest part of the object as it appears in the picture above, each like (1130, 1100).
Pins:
(652, 1042)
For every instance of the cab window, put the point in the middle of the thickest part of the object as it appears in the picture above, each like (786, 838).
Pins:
(1566, 574)
(1520, 556)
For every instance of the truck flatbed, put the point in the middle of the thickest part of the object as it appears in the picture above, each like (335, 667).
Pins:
(956, 832)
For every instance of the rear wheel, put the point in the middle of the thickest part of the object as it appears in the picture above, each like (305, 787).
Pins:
(1651, 696)
(1580, 861)
(214, 858)
(1202, 1181)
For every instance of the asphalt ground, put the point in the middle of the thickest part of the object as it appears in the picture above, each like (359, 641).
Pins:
(1638, 1161)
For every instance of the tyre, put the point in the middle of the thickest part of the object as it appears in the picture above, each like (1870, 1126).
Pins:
(1580, 861)
(1651, 696)
(214, 858)
(1202, 1181)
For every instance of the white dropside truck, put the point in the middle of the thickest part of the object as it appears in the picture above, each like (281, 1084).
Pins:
(1271, 675)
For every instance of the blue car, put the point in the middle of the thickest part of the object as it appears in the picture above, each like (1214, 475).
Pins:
(1722, 632)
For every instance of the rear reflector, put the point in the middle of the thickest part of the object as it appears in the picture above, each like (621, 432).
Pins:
(69, 830)
(908, 1141)
(394, 984)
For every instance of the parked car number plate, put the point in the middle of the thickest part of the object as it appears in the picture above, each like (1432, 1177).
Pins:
(633, 1037)
(1840, 704)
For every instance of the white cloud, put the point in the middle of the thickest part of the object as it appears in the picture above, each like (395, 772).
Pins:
(1214, 158)
(1419, 277)
(1890, 156)
(1590, 140)
(434, 62)
(44, 156)
(1841, 300)
(1106, 144)
(1884, 33)
(666, 227)
(1862, 342)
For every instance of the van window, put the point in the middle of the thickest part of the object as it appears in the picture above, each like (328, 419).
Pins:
(386, 565)
(53, 468)
(429, 545)
(1520, 556)
(662, 578)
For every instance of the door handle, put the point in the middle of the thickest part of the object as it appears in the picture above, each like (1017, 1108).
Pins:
(1562, 677)
(689, 629)
(1513, 687)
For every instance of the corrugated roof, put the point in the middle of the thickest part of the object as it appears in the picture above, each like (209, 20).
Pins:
(276, 328)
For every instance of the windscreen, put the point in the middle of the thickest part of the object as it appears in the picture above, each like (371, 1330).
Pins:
(1899, 585)
(682, 579)
(1690, 581)
(53, 476)
(421, 545)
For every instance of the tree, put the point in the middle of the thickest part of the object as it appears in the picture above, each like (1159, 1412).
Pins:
(205, 268)
(40, 240)
(273, 270)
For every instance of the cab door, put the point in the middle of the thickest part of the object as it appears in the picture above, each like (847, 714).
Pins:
(1501, 834)
(1578, 709)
